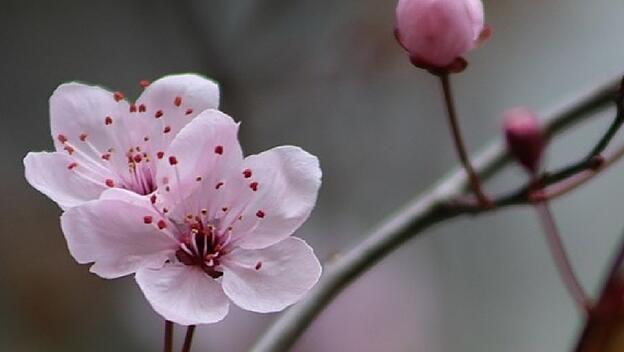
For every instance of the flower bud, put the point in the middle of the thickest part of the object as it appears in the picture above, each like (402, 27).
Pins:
(525, 137)
(436, 33)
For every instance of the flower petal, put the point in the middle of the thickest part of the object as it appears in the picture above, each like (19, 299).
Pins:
(77, 109)
(175, 100)
(119, 236)
(207, 148)
(55, 175)
(270, 279)
(287, 180)
(183, 294)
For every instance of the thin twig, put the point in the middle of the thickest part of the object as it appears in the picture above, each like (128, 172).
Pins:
(562, 262)
(168, 336)
(426, 210)
(188, 339)
(460, 146)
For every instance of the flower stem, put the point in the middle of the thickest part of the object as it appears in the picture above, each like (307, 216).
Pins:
(168, 336)
(188, 339)
(560, 257)
(475, 183)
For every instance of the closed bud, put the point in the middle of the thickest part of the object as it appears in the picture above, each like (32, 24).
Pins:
(525, 137)
(436, 33)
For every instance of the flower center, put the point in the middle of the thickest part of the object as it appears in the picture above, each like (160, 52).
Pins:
(201, 247)
(142, 180)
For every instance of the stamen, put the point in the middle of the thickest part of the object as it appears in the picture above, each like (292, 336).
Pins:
(110, 183)
(108, 120)
(160, 155)
(258, 265)
(142, 108)
(69, 149)
(153, 199)
(144, 83)
(173, 160)
(260, 214)
(83, 137)
(247, 173)
(106, 156)
(254, 186)
(133, 108)
(167, 129)
(219, 185)
(62, 138)
(158, 114)
(177, 101)
(219, 150)
(147, 219)
(118, 96)
(162, 224)
(188, 111)
(72, 166)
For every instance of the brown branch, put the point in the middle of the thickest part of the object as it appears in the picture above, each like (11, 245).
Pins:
(426, 210)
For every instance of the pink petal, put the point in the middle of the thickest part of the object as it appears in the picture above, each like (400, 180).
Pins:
(183, 294)
(115, 236)
(287, 180)
(270, 279)
(77, 109)
(175, 100)
(206, 148)
(55, 175)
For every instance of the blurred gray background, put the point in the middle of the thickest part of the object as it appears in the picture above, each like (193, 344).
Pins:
(328, 76)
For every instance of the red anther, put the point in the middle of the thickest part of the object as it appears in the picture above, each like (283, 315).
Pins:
(147, 219)
(137, 158)
(173, 160)
(108, 120)
(72, 166)
(142, 108)
(118, 96)
(162, 224)
(247, 173)
(144, 83)
(198, 178)
(69, 149)
(160, 155)
(61, 138)
(258, 265)
(254, 186)
(219, 149)
(110, 183)
(219, 185)
(83, 137)
(189, 111)
(153, 199)
(133, 108)
(177, 101)
(165, 210)
(260, 214)
(224, 209)
(167, 129)
(106, 156)
(158, 114)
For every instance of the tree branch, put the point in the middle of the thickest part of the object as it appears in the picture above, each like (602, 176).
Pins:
(426, 210)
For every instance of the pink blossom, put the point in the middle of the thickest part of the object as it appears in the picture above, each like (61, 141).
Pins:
(102, 141)
(219, 226)
(525, 137)
(436, 33)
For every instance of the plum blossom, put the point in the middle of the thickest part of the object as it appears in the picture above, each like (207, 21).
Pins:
(218, 228)
(436, 33)
(102, 141)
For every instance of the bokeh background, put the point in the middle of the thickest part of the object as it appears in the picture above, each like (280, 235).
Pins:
(326, 75)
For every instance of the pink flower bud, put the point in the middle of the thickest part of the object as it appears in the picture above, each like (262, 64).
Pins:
(436, 33)
(525, 137)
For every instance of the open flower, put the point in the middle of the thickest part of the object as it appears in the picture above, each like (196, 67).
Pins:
(102, 141)
(218, 227)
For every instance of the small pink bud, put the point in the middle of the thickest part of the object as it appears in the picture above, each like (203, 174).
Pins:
(436, 33)
(525, 137)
